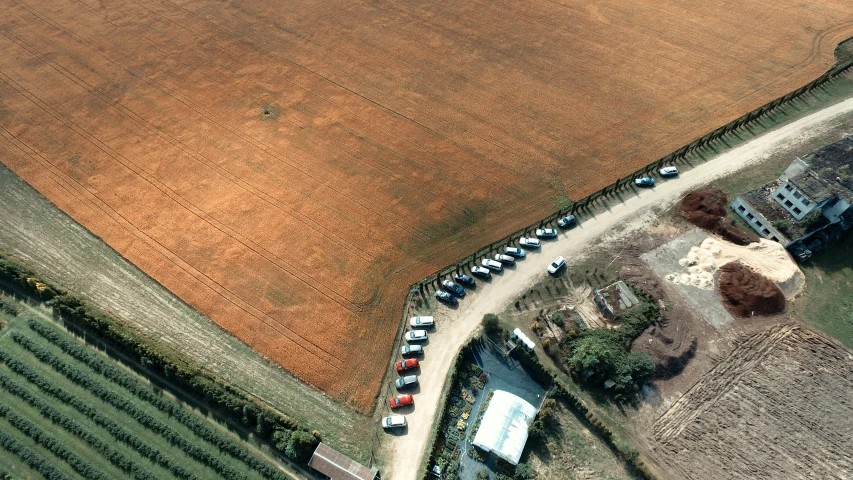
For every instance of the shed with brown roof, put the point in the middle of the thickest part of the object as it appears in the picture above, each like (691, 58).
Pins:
(338, 466)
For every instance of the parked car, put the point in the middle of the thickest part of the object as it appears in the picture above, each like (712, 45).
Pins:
(421, 322)
(567, 221)
(644, 182)
(505, 259)
(394, 421)
(406, 381)
(453, 288)
(546, 232)
(411, 350)
(492, 264)
(668, 171)
(416, 336)
(515, 252)
(445, 297)
(529, 242)
(464, 279)
(409, 364)
(481, 271)
(556, 265)
(402, 401)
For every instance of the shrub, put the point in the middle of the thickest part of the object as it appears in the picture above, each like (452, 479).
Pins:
(483, 474)
(524, 472)
(600, 355)
(300, 446)
(491, 323)
(558, 320)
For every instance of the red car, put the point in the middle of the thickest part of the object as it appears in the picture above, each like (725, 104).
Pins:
(402, 400)
(408, 364)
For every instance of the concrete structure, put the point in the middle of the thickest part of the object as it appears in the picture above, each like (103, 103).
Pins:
(614, 299)
(337, 466)
(503, 430)
(809, 205)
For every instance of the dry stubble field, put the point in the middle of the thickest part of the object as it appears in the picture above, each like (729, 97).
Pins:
(290, 168)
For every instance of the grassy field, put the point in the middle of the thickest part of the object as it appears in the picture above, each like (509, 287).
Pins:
(66, 407)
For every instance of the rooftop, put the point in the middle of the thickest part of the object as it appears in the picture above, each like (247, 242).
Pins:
(832, 162)
(618, 297)
(338, 466)
(503, 430)
(762, 201)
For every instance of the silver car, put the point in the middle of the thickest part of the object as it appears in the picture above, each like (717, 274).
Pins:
(492, 264)
(546, 232)
(481, 271)
(406, 381)
(394, 421)
(416, 336)
(529, 242)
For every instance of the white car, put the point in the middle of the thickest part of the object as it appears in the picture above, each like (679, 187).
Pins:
(492, 264)
(515, 252)
(421, 322)
(668, 171)
(481, 271)
(394, 421)
(529, 242)
(546, 232)
(411, 350)
(556, 265)
(504, 259)
(416, 336)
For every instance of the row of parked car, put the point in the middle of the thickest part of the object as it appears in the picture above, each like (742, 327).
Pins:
(410, 352)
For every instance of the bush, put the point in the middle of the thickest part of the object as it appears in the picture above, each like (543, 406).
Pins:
(483, 474)
(599, 355)
(523, 471)
(300, 446)
(559, 320)
(491, 323)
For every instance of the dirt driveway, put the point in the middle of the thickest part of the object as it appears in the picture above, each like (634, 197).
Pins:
(455, 326)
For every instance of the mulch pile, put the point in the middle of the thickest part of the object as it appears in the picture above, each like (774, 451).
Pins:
(746, 293)
(707, 208)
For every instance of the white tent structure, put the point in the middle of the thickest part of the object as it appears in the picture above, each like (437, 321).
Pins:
(503, 429)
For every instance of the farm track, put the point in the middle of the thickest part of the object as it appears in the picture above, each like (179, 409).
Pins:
(396, 139)
(777, 406)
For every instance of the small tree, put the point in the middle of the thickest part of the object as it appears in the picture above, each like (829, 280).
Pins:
(558, 320)
(300, 446)
(491, 323)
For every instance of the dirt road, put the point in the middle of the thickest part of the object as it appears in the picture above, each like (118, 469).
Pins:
(454, 327)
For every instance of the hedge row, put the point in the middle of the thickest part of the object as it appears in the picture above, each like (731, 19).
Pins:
(544, 375)
(95, 387)
(115, 457)
(221, 397)
(31, 430)
(31, 458)
(112, 372)
(453, 377)
(117, 431)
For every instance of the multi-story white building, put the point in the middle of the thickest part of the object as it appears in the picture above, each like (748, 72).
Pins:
(809, 205)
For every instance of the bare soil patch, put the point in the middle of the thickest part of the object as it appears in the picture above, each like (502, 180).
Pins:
(707, 208)
(747, 293)
(773, 408)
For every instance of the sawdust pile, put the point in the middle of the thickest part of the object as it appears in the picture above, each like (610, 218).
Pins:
(746, 293)
(766, 257)
(706, 208)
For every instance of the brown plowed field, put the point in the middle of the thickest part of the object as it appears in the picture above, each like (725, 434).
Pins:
(288, 168)
(777, 407)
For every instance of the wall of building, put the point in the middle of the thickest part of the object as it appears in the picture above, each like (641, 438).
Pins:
(758, 222)
(793, 200)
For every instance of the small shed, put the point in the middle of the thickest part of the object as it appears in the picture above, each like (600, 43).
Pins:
(338, 466)
(614, 299)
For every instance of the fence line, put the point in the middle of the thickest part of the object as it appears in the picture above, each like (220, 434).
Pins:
(582, 205)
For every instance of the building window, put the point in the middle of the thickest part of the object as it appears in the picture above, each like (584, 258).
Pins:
(788, 204)
(740, 208)
(788, 187)
(749, 216)
(774, 238)
(806, 201)
(758, 223)
(797, 211)
(797, 194)
(780, 197)
(766, 232)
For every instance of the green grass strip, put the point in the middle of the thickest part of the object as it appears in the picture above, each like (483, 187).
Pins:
(31, 458)
(118, 432)
(191, 420)
(31, 430)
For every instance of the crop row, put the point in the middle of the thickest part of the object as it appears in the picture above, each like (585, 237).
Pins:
(188, 418)
(31, 458)
(31, 430)
(117, 431)
(95, 387)
(115, 457)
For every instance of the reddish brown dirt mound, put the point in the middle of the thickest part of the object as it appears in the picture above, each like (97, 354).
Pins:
(706, 208)
(748, 293)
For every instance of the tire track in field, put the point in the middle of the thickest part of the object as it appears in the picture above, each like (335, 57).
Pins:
(189, 269)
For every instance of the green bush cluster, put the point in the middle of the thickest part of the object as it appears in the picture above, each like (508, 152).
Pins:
(31, 430)
(115, 457)
(8, 308)
(200, 427)
(31, 458)
(113, 428)
(599, 355)
(219, 395)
